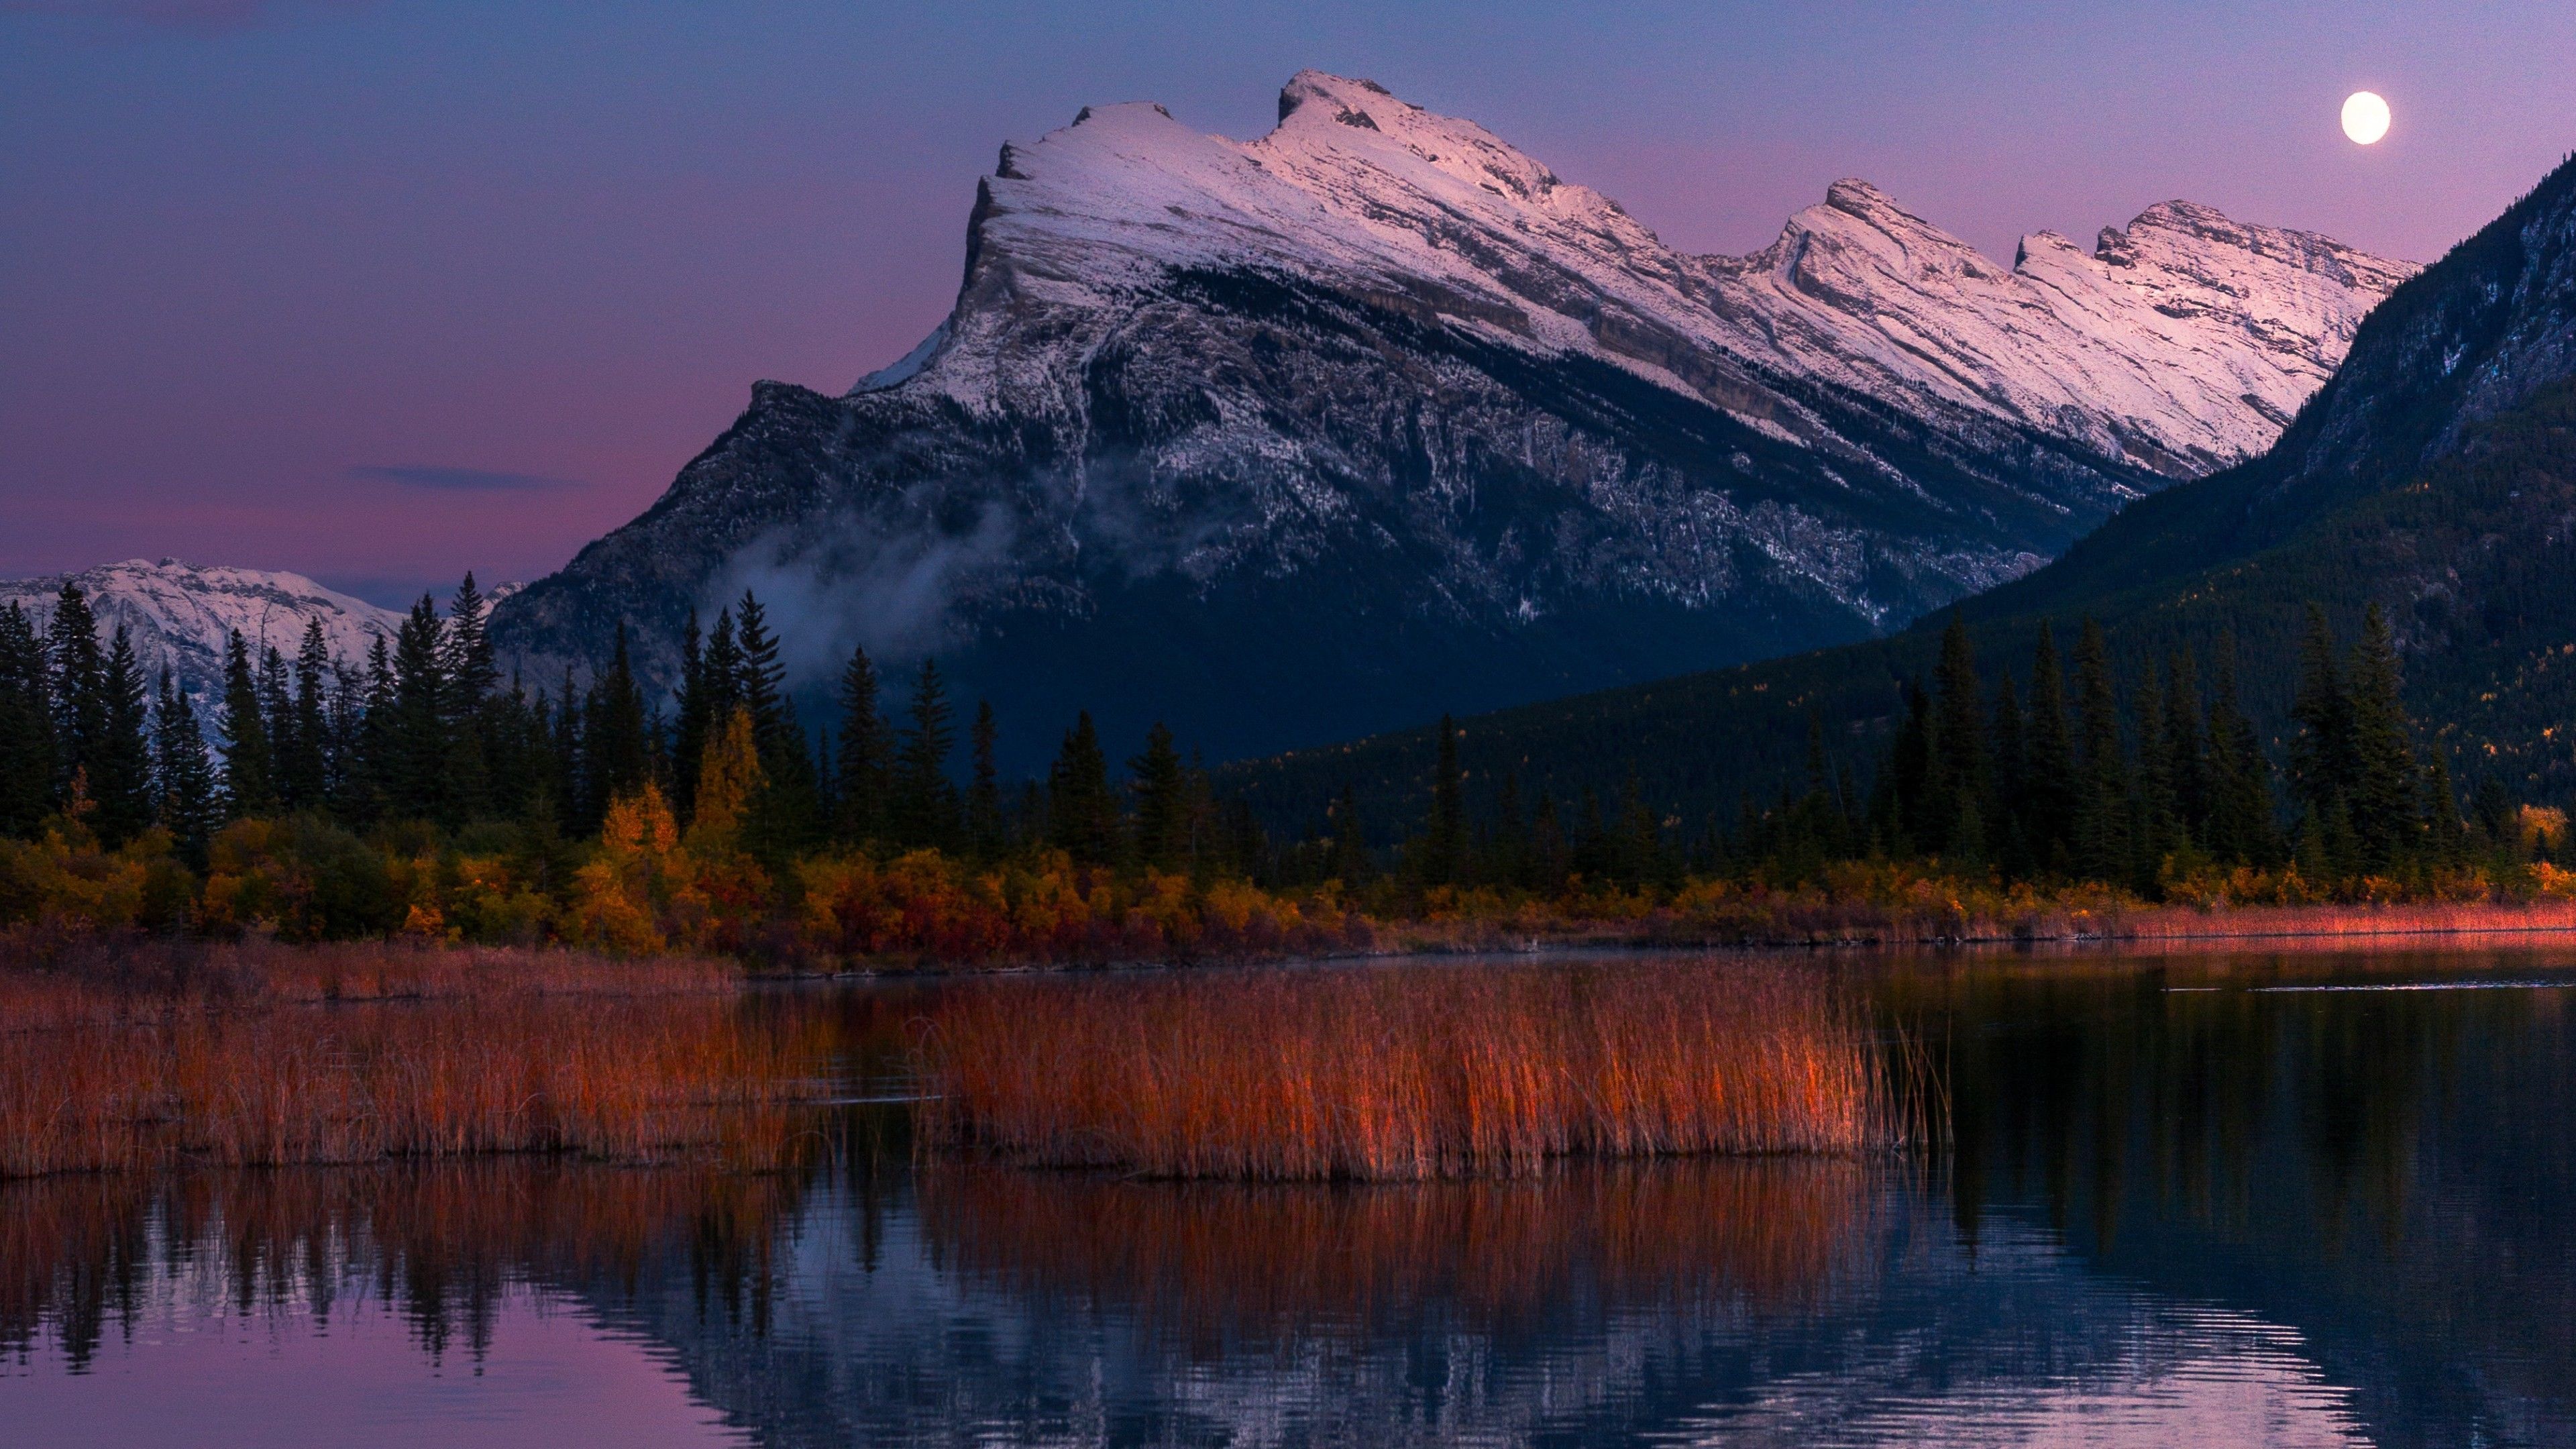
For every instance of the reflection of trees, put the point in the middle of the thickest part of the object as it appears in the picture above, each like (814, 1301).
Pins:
(2371, 1166)
(443, 1245)
(1225, 1260)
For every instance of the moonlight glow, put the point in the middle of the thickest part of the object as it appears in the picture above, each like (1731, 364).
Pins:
(2365, 117)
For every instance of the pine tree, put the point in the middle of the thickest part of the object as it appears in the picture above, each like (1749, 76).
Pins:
(466, 680)
(2186, 753)
(121, 779)
(368, 783)
(416, 773)
(2446, 835)
(1960, 772)
(250, 781)
(2101, 838)
(2049, 819)
(2240, 828)
(2320, 753)
(1157, 782)
(1909, 777)
(986, 832)
(1349, 863)
(866, 767)
(691, 720)
(2155, 828)
(184, 774)
(79, 687)
(1444, 842)
(28, 755)
(614, 751)
(2010, 797)
(925, 801)
(2384, 794)
(303, 748)
(1082, 819)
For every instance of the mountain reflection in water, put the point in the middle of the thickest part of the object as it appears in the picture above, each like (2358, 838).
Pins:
(2179, 1207)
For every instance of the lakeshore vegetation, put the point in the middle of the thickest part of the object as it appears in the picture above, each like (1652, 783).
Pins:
(418, 795)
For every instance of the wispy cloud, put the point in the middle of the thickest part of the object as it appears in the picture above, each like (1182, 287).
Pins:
(458, 480)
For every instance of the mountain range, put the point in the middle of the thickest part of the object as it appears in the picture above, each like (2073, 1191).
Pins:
(1291, 439)
(180, 616)
(2434, 476)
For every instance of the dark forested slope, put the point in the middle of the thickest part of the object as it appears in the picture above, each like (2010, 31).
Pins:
(2435, 476)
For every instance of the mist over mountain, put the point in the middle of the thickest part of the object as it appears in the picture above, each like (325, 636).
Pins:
(1290, 439)
(2435, 475)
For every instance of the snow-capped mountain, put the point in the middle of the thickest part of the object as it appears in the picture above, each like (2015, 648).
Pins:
(179, 615)
(1375, 416)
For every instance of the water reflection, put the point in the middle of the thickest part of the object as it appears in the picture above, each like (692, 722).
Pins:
(2181, 1205)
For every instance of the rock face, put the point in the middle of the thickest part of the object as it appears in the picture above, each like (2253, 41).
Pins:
(1374, 416)
(179, 616)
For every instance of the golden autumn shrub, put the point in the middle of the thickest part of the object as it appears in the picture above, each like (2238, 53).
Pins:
(65, 879)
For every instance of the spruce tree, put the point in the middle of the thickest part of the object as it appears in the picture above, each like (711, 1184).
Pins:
(690, 719)
(2155, 823)
(250, 780)
(1444, 842)
(367, 783)
(28, 755)
(614, 751)
(121, 779)
(2384, 795)
(417, 755)
(2049, 811)
(2320, 751)
(1082, 819)
(184, 774)
(304, 748)
(2186, 752)
(79, 687)
(925, 800)
(2010, 797)
(466, 680)
(2100, 839)
(865, 773)
(1349, 862)
(986, 831)
(1157, 782)
(2240, 827)
(1959, 776)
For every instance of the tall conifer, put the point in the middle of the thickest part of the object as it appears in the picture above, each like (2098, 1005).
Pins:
(250, 779)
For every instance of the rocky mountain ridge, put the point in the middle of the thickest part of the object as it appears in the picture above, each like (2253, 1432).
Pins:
(1375, 415)
(180, 615)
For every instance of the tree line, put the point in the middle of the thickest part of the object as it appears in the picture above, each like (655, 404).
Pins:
(2080, 774)
(424, 731)
(2077, 775)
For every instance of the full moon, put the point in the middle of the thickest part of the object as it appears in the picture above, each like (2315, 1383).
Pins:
(2365, 117)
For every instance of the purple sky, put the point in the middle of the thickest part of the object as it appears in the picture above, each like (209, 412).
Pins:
(380, 291)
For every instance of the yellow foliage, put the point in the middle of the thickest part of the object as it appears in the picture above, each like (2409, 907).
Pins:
(727, 780)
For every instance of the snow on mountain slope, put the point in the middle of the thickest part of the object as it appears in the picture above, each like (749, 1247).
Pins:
(2183, 343)
(179, 615)
(1374, 416)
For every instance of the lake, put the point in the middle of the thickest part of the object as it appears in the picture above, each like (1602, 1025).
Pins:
(2296, 1197)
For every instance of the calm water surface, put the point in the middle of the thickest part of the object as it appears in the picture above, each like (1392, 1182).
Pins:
(2296, 1199)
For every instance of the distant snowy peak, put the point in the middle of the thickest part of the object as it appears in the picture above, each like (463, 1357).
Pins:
(2181, 344)
(180, 616)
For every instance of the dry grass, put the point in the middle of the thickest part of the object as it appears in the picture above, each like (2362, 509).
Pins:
(1405, 1073)
(1219, 1259)
(266, 1055)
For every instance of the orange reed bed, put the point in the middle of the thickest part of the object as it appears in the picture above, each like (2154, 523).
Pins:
(351, 1054)
(1216, 1259)
(1404, 1073)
